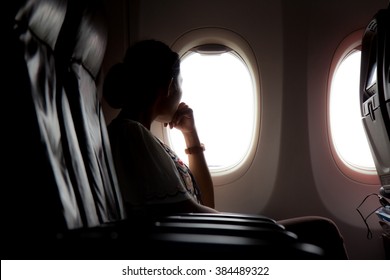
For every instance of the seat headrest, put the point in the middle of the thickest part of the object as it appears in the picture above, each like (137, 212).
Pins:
(44, 18)
(91, 39)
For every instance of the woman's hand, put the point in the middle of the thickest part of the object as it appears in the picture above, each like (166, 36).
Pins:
(183, 119)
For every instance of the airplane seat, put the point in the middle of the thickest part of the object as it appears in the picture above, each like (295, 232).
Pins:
(61, 197)
(59, 170)
(375, 93)
(80, 84)
(39, 187)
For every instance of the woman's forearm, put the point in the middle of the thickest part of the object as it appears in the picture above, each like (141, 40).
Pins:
(199, 168)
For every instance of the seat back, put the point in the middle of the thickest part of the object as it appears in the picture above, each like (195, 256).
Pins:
(375, 93)
(87, 115)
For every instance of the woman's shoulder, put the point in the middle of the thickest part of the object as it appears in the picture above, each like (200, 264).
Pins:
(122, 122)
(130, 131)
(127, 126)
(126, 130)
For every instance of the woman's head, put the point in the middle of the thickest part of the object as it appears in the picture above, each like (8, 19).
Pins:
(148, 68)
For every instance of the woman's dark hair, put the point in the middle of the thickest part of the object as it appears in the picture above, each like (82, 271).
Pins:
(147, 66)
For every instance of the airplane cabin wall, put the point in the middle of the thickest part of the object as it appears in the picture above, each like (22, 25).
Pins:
(293, 173)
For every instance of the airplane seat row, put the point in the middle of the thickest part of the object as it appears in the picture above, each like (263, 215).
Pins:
(61, 198)
(59, 159)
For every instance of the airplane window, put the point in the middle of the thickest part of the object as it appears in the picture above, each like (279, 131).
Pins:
(346, 125)
(218, 86)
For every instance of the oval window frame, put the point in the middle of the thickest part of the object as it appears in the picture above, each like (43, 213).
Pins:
(220, 36)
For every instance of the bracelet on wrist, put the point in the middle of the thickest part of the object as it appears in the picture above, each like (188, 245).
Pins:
(195, 149)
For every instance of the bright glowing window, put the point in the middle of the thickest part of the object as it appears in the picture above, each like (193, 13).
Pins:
(346, 125)
(219, 88)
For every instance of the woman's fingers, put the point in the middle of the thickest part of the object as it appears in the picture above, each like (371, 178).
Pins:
(183, 118)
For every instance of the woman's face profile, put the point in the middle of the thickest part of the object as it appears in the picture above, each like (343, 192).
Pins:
(171, 101)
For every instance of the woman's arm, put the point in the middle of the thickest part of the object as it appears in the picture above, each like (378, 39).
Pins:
(199, 168)
(185, 206)
(184, 121)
